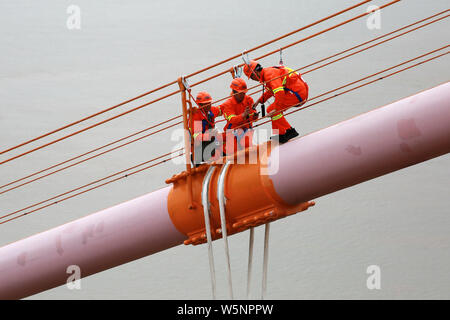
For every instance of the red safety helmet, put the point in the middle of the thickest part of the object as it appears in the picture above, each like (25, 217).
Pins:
(203, 97)
(249, 68)
(239, 85)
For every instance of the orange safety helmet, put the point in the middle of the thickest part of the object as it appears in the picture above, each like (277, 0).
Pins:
(249, 68)
(203, 97)
(239, 85)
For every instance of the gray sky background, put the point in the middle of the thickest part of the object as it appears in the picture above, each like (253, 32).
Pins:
(50, 76)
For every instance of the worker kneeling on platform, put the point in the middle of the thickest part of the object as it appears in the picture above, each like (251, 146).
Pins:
(288, 88)
(239, 112)
(207, 141)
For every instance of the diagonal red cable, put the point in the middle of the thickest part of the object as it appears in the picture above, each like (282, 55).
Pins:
(367, 83)
(372, 81)
(336, 95)
(89, 127)
(90, 189)
(190, 75)
(87, 118)
(351, 83)
(318, 61)
(357, 46)
(168, 95)
(90, 158)
(301, 40)
(93, 182)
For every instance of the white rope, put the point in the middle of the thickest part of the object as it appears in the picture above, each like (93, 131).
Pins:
(185, 82)
(266, 260)
(250, 260)
(221, 198)
(245, 58)
(237, 71)
(206, 212)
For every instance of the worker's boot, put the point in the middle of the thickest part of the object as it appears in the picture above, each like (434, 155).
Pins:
(282, 138)
(290, 133)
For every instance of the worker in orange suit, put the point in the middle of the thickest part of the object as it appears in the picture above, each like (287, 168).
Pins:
(239, 112)
(287, 87)
(203, 130)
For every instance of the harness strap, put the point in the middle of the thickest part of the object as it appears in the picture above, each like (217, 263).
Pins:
(300, 100)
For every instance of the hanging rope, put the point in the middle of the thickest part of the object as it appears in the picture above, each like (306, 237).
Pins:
(265, 261)
(206, 212)
(223, 222)
(251, 239)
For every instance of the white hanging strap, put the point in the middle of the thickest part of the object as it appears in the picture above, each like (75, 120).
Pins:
(265, 261)
(237, 71)
(223, 223)
(250, 260)
(206, 207)
(185, 83)
(245, 58)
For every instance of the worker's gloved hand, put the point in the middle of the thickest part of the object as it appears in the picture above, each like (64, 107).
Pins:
(255, 104)
(255, 115)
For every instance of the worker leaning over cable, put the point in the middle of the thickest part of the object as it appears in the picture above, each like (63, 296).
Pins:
(239, 112)
(202, 128)
(288, 88)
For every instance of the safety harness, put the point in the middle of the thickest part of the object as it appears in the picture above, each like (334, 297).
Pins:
(290, 73)
(208, 121)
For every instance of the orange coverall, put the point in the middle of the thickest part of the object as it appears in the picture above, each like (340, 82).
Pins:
(287, 89)
(201, 122)
(233, 112)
